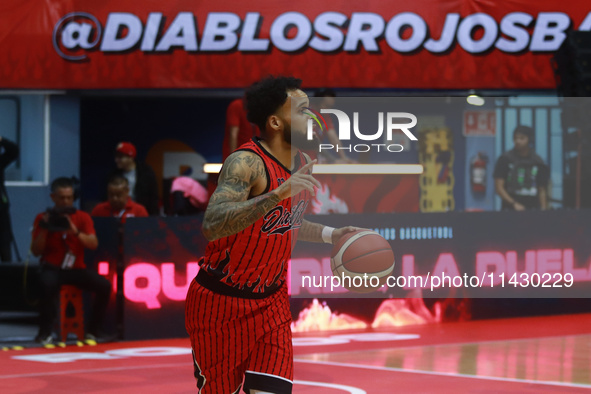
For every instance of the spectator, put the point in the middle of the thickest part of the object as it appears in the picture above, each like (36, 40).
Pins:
(143, 186)
(8, 155)
(521, 176)
(238, 129)
(119, 204)
(60, 236)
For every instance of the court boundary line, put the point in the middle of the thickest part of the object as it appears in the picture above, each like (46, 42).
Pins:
(393, 369)
(57, 373)
(343, 387)
(442, 344)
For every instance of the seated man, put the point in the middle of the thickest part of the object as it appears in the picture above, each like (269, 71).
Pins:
(60, 236)
(119, 204)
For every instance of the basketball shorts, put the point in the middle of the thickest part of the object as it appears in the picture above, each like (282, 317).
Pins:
(240, 339)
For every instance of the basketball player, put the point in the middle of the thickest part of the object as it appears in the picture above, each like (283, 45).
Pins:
(237, 311)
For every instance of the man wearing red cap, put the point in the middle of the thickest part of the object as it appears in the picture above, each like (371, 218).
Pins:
(142, 181)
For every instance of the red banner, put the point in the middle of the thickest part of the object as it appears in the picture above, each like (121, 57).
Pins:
(426, 44)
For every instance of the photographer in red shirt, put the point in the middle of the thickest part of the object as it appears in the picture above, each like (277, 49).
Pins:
(60, 236)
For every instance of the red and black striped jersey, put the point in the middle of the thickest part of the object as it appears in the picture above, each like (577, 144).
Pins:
(253, 262)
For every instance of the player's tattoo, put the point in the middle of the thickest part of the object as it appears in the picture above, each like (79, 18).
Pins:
(310, 232)
(229, 210)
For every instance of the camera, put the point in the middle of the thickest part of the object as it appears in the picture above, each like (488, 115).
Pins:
(57, 219)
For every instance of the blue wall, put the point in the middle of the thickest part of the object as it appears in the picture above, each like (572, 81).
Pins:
(31, 137)
(64, 160)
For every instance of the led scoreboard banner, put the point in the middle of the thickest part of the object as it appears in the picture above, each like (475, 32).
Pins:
(513, 254)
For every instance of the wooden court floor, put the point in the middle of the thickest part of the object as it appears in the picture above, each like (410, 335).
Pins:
(523, 355)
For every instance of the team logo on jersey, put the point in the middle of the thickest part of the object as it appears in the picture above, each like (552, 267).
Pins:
(280, 220)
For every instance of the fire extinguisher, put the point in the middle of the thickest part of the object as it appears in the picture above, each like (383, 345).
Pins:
(478, 173)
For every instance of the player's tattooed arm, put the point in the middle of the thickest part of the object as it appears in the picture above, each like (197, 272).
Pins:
(229, 210)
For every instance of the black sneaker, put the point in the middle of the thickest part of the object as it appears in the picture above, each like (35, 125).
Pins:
(99, 337)
(44, 339)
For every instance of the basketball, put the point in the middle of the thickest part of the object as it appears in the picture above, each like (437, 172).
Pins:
(363, 259)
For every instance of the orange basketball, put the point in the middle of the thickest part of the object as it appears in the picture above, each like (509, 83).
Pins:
(363, 259)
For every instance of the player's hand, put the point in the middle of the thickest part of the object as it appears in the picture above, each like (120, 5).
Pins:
(298, 182)
(342, 231)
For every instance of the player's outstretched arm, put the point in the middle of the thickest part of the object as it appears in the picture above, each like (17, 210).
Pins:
(229, 210)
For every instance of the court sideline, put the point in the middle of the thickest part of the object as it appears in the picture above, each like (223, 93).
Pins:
(548, 354)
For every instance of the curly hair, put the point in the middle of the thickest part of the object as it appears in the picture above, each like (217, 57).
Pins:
(525, 130)
(264, 97)
(62, 183)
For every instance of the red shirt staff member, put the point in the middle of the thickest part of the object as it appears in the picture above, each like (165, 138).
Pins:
(118, 203)
(237, 311)
(238, 129)
(60, 237)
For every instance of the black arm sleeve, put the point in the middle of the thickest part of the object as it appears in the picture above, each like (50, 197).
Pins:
(543, 176)
(153, 206)
(147, 189)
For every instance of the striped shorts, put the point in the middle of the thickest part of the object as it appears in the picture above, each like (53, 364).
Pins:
(240, 339)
